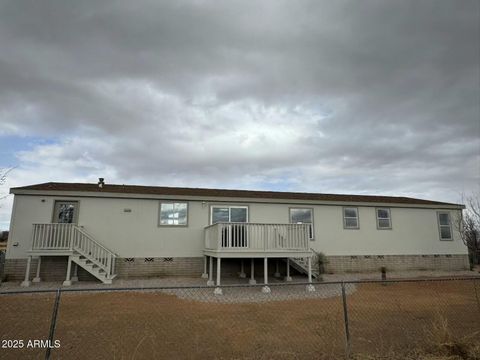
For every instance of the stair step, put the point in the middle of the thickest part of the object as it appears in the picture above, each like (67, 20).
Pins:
(302, 266)
(93, 268)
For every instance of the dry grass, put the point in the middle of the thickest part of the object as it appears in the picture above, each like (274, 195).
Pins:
(442, 343)
(439, 344)
(394, 318)
(25, 317)
(399, 321)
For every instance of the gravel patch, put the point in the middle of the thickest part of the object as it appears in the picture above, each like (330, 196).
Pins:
(189, 288)
(234, 290)
(254, 294)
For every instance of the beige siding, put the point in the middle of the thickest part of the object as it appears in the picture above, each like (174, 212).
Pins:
(137, 234)
(414, 231)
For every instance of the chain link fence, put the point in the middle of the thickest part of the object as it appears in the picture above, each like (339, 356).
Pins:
(338, 320)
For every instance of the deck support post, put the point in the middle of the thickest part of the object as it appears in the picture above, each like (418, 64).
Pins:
(310, 287)
(277, 269)
(265, 288)
(67, 281)
(218, 289)
(210, 281)
(242, 270)
(252, 280)
(288, 277)
(37, 279)
(205, 274)
(26, 282)
(75, 272)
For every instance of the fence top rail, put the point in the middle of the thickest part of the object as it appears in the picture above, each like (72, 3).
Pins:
(296, 284)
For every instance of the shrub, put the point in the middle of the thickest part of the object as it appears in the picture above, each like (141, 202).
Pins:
(322, 262)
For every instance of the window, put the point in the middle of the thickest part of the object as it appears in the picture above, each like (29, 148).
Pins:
(384, 221)
(302, 216)
(224, 214)
(350, 218)
(65, 212)
(173, 213)
(234, 235)
(444, 226)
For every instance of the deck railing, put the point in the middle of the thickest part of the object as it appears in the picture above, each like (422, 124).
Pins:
(71, 237)
(52, 236)
(257, 237)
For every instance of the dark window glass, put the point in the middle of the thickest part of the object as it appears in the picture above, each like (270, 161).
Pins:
(445, 232)
(238, 214)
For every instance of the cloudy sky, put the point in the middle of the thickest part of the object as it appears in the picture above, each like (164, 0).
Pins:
(378, 97)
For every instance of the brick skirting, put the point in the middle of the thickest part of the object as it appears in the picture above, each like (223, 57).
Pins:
(152, 267)
(54, 268)
(369, 263)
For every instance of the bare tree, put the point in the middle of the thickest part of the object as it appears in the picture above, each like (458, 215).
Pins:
(468, 225)
(3, 179)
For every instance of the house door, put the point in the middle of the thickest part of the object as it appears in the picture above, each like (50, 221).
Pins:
(234, 235)
(65, 212)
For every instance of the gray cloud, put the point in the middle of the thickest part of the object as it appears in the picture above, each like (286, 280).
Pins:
(341, 96)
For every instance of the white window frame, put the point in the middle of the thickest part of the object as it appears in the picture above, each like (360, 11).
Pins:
(449, 225)
(389, 219)
(312, 226)
(349, 217)
(171, 202)
(229, 211)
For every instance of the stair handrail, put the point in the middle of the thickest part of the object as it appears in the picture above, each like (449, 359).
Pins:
(109, 266)
(84, 232)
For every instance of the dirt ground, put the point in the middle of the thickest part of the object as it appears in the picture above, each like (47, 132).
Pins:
(156, 325)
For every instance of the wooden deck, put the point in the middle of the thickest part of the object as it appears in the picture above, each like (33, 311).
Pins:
(255, 240)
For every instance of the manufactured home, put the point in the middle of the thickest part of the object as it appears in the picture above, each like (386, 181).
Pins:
(66, 231)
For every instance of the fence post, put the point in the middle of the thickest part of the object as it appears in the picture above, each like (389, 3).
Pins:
(345, 318)
(476, 293)
(53, 324)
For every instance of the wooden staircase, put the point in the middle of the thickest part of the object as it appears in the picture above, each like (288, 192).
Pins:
(93, 257)
(301, 265)
(81, 248)
(91, 266)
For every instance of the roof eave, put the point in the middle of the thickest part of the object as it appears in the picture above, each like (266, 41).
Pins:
(105, 194)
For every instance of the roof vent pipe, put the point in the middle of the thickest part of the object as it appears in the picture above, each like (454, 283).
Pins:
(101, 182)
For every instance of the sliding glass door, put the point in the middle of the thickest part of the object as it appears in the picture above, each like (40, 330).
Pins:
(235, 234)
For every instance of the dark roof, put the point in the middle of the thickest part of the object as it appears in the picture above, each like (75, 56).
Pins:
(161, 190)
